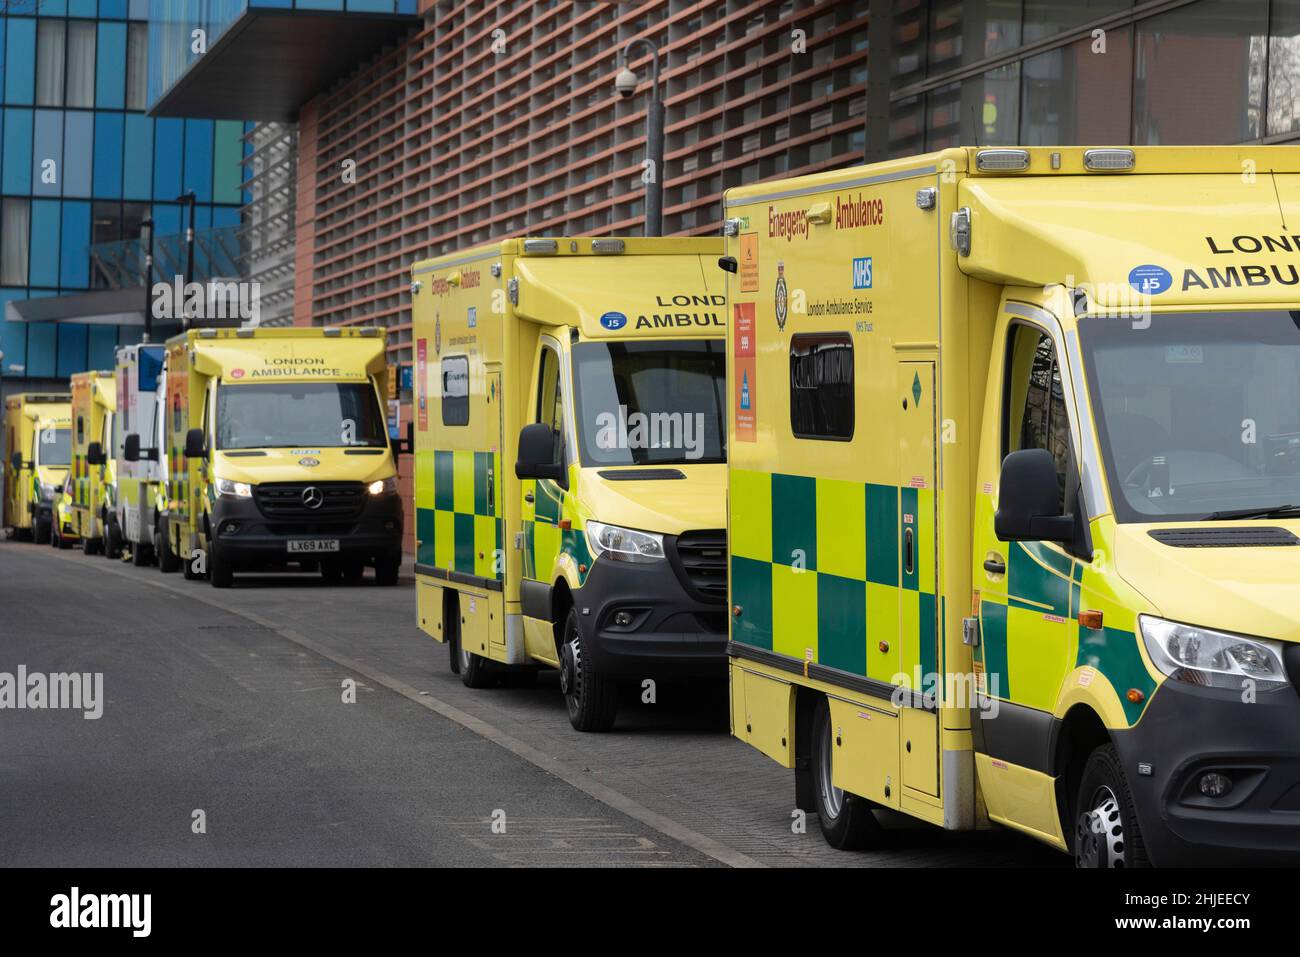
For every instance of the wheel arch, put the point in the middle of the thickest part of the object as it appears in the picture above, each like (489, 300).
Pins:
(1080, 731)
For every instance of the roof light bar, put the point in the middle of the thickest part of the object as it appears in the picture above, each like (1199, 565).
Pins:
(608, 246)
(541, 246)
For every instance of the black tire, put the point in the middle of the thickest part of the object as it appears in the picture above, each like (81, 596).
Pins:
(473, 668)
(112, 540)
(168, 561)
(42, 532)
(141, 554)
(386, 570)
(1105, 830)
(847, 820)
(353, 572)
(332, 572)
(91, 546)
(187, 568)
(220, 571)
(590, 696)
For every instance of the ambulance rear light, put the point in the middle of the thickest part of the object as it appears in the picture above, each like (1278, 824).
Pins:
(607, 247)
(540, 247)
(1103, 160)
(1002, 161)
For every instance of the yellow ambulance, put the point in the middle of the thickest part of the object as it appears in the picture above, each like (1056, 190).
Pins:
(570, 476)
(278, 452)
(1015, 495)
(94, 404)
(38, 440)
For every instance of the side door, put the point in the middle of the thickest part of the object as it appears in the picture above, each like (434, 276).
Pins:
(1024, 587)
(918, 611)
(543, 499)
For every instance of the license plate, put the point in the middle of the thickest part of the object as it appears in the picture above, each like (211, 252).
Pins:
(299, 545)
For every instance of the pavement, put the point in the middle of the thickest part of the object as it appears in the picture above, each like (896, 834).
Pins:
(287, 722)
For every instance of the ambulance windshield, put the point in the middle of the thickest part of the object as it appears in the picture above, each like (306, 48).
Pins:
(1198, 414)
(293, 414)
(651, 403)
(54, 447)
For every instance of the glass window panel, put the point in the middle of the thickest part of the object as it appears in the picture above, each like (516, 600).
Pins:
(981, 111)
(110, 66)
(81, 63)
(1043, 18)
(1079, 94)
(137, 57)
(1199, 73)
(50, 52)
(967, 31)
(15, 224)
(909, 28)
(20, 40)
(1284, 68)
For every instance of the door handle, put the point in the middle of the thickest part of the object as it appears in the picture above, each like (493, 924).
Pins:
(528, 497)
(908, 559)
(995, 565)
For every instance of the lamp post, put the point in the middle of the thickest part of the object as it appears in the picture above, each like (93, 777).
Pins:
(147, 224)
(626, 83)
(190, 199)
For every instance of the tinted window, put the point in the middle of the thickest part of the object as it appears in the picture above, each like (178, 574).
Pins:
(455, 390)
(1035, 401)
(821, 386)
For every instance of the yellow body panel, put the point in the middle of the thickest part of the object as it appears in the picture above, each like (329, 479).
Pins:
(29, 424)
(200, 360)
(483, 320)
(863, 553)
(94, 402)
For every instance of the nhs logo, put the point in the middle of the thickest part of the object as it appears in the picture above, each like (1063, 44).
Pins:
(862, 273)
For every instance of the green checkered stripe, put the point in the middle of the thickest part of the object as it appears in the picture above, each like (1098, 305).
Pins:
(545, 541)
(816, 572)
(464, 529)
(1041, 581)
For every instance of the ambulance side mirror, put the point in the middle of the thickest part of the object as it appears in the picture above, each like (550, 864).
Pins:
(1029, 503)
(16, 461)
(537, 459)
(95, 454)
(195, 446)
(131, 448)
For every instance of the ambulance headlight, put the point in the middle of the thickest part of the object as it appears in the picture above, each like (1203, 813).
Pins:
(386, 486)
(1212, 659)
(623, 544)
(229, 489)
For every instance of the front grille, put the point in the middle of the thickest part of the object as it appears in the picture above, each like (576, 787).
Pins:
(281, 501)
(702, 564)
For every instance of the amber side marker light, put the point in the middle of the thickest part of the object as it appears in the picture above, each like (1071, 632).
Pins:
(1090, 619)
(1137, 697)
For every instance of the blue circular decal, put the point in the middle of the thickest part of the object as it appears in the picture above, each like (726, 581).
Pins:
(613, 321)
(1150, 280)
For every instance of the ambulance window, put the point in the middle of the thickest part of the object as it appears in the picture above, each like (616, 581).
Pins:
(821, 386)
(1034, 401)
(550, 397)
(81, 430)
(455, 390)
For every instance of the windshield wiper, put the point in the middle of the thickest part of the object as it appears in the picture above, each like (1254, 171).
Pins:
(1276, 511)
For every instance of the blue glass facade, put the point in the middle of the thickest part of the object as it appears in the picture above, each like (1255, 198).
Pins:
(82, 164)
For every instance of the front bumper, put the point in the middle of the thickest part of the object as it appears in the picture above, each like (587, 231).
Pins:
(246, 537)
(1187, 731)
(671, 634)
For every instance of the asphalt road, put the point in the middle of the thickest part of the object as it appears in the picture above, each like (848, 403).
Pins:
(232, 703)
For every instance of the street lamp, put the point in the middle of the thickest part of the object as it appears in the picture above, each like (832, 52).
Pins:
(626, 84)
(190, 199)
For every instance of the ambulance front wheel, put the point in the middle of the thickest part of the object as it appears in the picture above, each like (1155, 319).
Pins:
(112, 540)
(168, 561)
(42, 533)
(847, 820)
(1106, 830)
(590, 695)
(90, 546)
